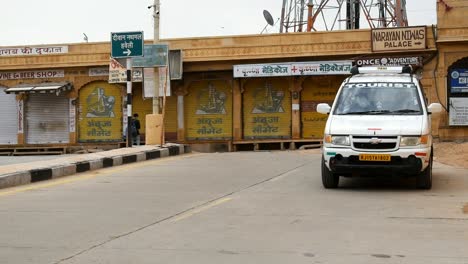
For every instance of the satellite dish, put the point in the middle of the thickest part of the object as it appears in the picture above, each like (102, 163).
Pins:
(268, 17)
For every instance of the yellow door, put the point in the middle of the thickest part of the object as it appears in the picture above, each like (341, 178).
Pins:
(320, 89)
(170, 119)
(141, 106)
(100, 113)
(208, 111)
(267, 109)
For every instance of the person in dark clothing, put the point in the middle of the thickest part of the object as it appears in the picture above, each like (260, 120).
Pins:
(136, 130)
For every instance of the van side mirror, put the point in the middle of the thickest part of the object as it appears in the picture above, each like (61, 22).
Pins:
(434, 108)
(323, 108)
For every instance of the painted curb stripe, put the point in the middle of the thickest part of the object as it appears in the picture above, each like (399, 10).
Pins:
(154, 154)
(41, 175)
(129, 159)
(83, 166)
(37, 175)
(107, 162)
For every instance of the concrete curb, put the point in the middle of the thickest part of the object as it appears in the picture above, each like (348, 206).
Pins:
(96, 162)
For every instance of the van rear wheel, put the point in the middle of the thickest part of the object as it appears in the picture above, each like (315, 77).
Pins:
(329, 179)
(424, 179)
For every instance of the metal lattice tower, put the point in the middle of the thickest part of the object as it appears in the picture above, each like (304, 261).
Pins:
(308, 15)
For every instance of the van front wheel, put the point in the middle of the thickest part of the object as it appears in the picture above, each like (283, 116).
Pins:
(329, 179)
(424, 179)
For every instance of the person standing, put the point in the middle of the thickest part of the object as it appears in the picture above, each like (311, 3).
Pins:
(136, 130)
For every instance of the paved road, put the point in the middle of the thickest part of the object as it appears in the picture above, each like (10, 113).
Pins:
(263, 207)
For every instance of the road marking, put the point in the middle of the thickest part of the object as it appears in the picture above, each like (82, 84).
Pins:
(284, 175)
(200, 209)
(84, 176)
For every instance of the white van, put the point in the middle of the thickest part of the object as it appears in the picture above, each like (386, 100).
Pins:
(379, 124)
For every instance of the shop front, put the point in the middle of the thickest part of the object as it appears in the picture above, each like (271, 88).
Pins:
(316, 90)
(9, 117)
(44, 112)
(267, 109)
(279, 100)
(100, 113)
(208, 111)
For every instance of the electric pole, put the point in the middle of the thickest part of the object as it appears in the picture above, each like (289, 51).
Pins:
(156, 9)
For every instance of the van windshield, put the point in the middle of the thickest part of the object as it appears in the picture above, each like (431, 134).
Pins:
(378, 99)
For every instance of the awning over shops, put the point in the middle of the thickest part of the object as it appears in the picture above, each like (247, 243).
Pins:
(51, 88)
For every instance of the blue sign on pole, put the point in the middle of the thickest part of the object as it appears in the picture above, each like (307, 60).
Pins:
(127, 44)
(459, 81)
(155, 55)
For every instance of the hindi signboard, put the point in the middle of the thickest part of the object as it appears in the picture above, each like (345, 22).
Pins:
(127, 44)
(322, 68)
(401, 38)
(261, 70)
(118, 73)
(293, 69)
(39, 50)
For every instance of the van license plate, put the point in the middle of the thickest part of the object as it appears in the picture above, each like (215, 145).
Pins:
(375, 157)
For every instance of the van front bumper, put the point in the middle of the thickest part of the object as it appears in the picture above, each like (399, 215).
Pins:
(403, 162)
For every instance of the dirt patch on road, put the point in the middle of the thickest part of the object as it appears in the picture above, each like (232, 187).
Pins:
(465, 209)
(452, 153)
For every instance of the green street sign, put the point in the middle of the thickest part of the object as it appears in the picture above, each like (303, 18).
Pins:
(155, 55)
(127, 44)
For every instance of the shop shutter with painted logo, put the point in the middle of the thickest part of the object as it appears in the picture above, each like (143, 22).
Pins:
(9, 117)
(47, 119)
(267, 109)
(208, 110)
(317, 90)
(100, 113)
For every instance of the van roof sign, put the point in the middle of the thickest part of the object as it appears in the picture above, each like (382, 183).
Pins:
(382, 69)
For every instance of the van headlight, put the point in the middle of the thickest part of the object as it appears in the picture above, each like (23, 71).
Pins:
(414, 141)
(337, 140)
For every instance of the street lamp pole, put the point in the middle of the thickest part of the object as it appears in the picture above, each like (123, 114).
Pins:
(156, 9)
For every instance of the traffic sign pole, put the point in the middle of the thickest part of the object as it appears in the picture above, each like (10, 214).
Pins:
(128, 45)
(129, 102)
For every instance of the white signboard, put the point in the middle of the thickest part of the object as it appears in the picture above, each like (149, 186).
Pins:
(261, 70)
(118, 73)
(322, 68)
(44, 50)
(293, 69)
(390, 61)
(401, 38)
(18, 75)
(148, 83)
(101, 71)
(458, 111)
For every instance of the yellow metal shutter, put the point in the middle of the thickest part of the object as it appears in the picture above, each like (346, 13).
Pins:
(170, 119)
(267, 109)
(100, 113)
(141, 106)
(317, 90)
(208, 111)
